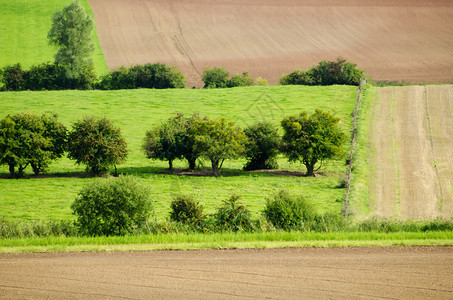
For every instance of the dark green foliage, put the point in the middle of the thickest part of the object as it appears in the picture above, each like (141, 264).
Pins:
(215, 78)
(218, 140)
(262, 146)
(97, 144)
(71, 33)
(153, 76)
(326, 73)
(28, 139)
(288, 212)
(114, 206)
(172, 140)
(312, 139)
(240, 80)
(12, 78)
(187, 210)
(232, 216)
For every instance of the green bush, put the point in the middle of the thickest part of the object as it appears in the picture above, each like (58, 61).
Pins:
(326, 72)
(187, 210)
(12, 78)
(262, 146)
(114, 206)
(240, 80)
(215, 78)
(232, 216)
(288, 212)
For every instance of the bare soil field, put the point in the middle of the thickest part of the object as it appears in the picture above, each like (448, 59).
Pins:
(396, 40)
(311, 273)
(412, 138)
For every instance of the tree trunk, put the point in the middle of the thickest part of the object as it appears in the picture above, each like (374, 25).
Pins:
(11, 170)
(215, 167)
(170, 165)
(310, 170)
(192, 163)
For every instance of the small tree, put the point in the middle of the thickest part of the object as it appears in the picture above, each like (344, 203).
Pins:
(28, 139)
(12, 78)
(262, 146)
(114, 206)
(243, 80)
(218, 140)
(96, 143)
(71, 32)
(187, 210)
(215, 78)
(233, 216)
(312, 139)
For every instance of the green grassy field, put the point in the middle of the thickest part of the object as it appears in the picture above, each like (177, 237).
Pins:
(135, 111)
(24, 25)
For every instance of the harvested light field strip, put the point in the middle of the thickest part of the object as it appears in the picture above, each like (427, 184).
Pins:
(412, 136)
(390, 39)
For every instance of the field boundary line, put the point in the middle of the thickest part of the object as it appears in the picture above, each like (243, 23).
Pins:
(353, 140)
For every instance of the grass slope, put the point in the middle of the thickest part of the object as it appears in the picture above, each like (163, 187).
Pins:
(135, 111)
(24, 25)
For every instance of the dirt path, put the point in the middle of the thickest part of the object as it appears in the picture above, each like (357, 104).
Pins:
(413, 151)
(340, 273)
(391, 39)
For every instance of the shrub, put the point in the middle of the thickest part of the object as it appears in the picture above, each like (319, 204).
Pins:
(288, 212)
(233, 216)
(187, 210)
(96, 143)
(12, 78)
(326, 73)
(261, 81)
(243, 80)
(262, 146)
(114, 206)
(215, 78)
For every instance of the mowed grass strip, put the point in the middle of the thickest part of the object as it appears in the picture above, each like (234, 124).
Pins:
(226, 241)
(135, 111)
(24, 25)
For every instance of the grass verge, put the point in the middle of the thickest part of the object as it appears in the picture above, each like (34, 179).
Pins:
(226, 241)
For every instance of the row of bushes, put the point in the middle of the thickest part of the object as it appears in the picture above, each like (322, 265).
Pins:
(51, 76)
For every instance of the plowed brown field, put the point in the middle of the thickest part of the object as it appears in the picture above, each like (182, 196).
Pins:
(408, 40)
(413, 142)
(335, 273)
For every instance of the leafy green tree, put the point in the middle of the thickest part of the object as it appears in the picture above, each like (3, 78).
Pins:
(172, 140)
(218, 140)
(312, 139)
(114, 206)
(12, 78)
(215, 78)
(262, 146)
(240, 80)
(28, 139)
(71, 31)
(97, 144)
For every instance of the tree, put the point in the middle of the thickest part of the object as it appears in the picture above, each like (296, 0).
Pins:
(116, 206)
(71, 32)
(312, 139)
(243, 80)
(172, 140)
(28, 139)
(215, 78)
(218, 140)
(12, 78)
(96, 143)
(262, 146)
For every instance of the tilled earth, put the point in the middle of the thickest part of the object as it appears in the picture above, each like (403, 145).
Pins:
(340, 273)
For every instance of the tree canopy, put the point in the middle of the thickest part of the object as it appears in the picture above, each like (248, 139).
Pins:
(312, 139)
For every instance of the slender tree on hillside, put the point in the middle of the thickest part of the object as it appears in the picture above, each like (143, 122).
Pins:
(71, 32)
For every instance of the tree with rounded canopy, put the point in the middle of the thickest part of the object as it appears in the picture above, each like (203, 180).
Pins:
(312, 139)
(97, 144)
(71, 32)
(262, 146)
(28, 139)
(218, 140)
(171, 140)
